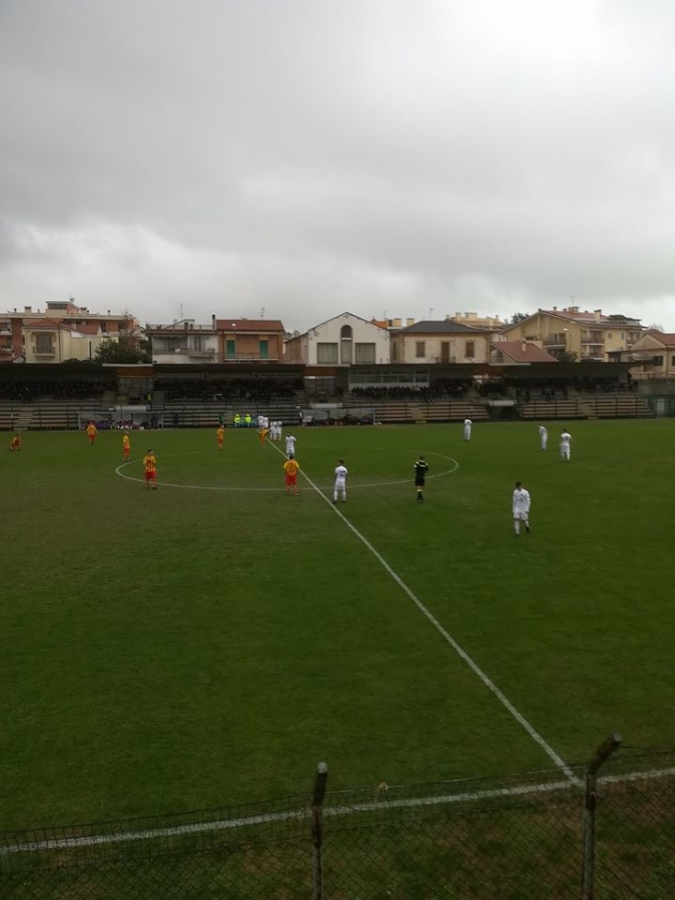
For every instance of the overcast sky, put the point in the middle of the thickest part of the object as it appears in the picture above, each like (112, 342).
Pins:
(307, 157)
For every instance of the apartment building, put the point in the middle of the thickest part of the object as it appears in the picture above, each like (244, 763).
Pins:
(571, 333)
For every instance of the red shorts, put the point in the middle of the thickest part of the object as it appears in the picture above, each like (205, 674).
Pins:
(126, 452)
(151, 476)
(291, 479)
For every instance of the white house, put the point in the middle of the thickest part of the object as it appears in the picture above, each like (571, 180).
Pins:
(343, 341)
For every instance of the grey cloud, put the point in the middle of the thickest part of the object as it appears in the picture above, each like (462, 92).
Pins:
(311, 156)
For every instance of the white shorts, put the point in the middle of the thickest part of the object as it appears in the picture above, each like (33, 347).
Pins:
(523, 516)
(340, 484)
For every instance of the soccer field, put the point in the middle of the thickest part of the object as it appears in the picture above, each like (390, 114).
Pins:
(210, 642)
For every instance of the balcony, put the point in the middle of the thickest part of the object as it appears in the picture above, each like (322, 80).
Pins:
(556, 340)
(184, 351)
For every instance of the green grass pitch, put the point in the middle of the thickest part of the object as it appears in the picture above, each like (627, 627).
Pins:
(210, 642)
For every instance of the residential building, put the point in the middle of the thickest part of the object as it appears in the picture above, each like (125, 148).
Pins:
(574, 334)
(653, 355)
(488, 323)
(440, 342)
(63, 331)
(250, 340)
(342, 341)
(183, 342)
(523, 353)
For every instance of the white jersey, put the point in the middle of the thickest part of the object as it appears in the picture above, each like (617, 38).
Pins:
(468, 423)
(290, 444)
(521, 502)
(341, 474)
(543, 433)
(565, 440)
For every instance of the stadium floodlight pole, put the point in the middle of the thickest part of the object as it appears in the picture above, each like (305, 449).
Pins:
(320, 781)
(611, 743)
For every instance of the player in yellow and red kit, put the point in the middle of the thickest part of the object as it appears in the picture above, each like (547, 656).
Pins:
(291, 468)
(92, 431)
(15, 443)
(126, 447)
(150, 469)
(220, 436)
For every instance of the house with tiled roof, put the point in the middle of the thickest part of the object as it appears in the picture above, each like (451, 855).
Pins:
(344, 340)
(653, 355)
(440, 341)
(574, 334)
(250, 340)
(504, 353)
(222, 340)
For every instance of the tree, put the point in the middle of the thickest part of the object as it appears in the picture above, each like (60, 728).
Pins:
(565, 356)
(655, 327)
(518, 317)
(125, 350)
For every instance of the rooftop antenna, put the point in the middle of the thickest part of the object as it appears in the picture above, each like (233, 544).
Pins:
(181, 311)
(262, 312)
(431, 311)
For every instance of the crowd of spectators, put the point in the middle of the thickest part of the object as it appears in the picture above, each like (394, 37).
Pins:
(245, 390)
(448, 388)
(30, 390)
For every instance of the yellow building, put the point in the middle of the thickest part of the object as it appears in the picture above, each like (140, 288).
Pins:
(579, 335)
(440, 342)
(653, 355)
(63, 331)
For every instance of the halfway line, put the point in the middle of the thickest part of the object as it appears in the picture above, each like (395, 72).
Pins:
(489, 684)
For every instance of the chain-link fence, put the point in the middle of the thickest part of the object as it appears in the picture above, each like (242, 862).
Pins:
(543, 835)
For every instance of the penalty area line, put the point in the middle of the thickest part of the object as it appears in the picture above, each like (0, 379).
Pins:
(459, 650)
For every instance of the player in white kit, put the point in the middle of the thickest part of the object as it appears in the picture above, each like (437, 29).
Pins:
(290, 444)
(340, 481)
(565, 445)
(521, 508)
(467, 429)
(543, 436)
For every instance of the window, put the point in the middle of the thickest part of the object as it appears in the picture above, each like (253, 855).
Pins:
(394, 352)
(673, 361)
(420, 349)
(327, 353)
(657, 361)
(469, 349)
(365, 353)
(44, 342)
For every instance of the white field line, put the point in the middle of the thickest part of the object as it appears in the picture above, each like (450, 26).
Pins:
(525, 790)
(489, 684)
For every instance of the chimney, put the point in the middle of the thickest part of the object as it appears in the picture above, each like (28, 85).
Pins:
(555, 309)
(598, 314)
(523, 345)
(213, 321)
(108, 312)
(28, 309)
(409, 321)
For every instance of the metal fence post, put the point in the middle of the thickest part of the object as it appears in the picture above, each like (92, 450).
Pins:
(611, 743)
(317, 827)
